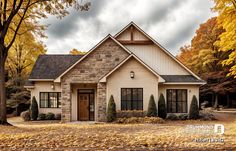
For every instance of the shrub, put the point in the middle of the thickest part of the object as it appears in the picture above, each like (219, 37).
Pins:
(172, 116)
(183, 116)
(111, 111)
(25, 115)
(137, 120)
(162, 107)
(194, 110)
(58, 116)
(152, 109)
(206, 116)
(34, 109)
(50, 116)
(130, 113)
(42, 116)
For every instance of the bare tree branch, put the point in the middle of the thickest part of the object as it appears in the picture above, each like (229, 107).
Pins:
(18, 26)
(5, 11)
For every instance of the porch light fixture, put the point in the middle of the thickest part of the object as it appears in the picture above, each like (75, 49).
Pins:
(131, 74)
(53, 86)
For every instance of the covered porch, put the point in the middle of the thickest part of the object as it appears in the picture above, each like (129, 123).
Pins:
(86, 102)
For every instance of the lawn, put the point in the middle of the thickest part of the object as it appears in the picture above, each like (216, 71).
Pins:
(171, 135)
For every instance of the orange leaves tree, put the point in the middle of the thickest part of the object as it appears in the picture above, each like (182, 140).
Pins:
(14, 14)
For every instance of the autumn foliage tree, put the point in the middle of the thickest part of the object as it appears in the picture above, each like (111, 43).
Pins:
(227, 41)
(205, 59)
(15, 13)
(76, 52)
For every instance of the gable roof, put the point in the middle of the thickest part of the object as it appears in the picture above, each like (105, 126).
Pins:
(103, 79)
(49, 67)
(156, 43)
(58, 79)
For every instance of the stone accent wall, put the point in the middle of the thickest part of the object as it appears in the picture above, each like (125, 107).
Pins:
(66, 102)
(101, 102)
(90, 70)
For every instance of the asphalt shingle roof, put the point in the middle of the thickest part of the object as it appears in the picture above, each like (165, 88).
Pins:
(52, 66)
(180, 78)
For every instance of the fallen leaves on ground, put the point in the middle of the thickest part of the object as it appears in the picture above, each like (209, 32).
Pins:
(55, 136)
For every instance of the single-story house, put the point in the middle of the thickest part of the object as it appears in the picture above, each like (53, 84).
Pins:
(130, 65)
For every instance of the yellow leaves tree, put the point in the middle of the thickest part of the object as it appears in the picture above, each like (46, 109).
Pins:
(15, 13)
(76, 52)
(227, 42)
(23, 54)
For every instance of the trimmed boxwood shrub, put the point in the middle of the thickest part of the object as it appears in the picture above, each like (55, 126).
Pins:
(42, 116)
(34, 109)
(194, 110)
(25, 115)
(58, 116)
(183, 116)
(50, 116)
(111, 111)
(130, 113)
(172, 116)
(152, 109)
(162, 107)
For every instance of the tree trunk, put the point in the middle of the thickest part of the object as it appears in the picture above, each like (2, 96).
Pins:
(3, 114)
(216, 101)
(212, 99)
(228, 100)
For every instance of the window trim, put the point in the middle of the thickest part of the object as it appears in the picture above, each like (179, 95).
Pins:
(177, 100)
(131, 98)
(48, 100)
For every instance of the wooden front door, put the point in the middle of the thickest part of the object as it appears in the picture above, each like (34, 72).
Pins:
(83, 106)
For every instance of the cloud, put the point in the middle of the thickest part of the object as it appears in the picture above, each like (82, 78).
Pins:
(172, 23)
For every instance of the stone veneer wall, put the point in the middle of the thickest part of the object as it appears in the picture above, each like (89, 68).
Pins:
(101, 102)
(99, 62)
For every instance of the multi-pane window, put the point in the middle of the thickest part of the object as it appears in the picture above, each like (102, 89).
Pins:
(176, 100)
(131, 99)
(50, 99)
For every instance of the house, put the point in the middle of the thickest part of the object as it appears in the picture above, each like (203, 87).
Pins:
(131, 66)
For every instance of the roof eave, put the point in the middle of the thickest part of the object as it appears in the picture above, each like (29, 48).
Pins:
(184, 83)
(41, 79)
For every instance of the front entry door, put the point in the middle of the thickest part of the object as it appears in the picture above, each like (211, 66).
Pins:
(83, 105)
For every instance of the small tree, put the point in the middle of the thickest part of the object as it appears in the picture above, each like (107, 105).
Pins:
(162, 107)
(111, 111)
(194, 110)
(152, 109)
(34, 109)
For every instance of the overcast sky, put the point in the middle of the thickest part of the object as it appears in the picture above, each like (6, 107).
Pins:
(171, 22)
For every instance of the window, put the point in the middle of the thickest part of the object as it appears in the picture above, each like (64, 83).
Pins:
(50, 99)
(177, 100)
(131, 99)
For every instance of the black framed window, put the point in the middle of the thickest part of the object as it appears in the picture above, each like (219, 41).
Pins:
(50, 99)
(177, 100)
(131, 99)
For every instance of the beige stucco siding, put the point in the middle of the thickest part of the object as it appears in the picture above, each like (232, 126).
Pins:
(157, 59)
(45, 87)
(191, 90)
(121, 79)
